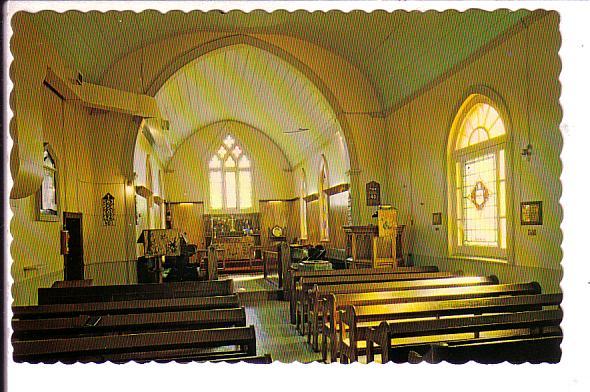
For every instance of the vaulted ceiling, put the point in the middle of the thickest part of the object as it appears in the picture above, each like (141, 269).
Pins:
(247, 84)
(399, 51)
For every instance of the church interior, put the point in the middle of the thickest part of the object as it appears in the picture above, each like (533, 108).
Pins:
(293, 187)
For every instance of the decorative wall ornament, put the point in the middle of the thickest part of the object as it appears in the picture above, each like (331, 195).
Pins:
(160, 242)
(108, 210)
(479, 195)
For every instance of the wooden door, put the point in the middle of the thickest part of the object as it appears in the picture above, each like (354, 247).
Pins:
(74, 260)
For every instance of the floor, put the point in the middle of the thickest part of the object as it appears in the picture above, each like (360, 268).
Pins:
(275, 335)
(250, 283)
(270, 317)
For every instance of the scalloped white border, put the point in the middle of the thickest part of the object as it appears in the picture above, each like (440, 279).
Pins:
(570, 374)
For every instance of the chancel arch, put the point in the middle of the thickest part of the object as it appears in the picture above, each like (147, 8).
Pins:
(265, 45)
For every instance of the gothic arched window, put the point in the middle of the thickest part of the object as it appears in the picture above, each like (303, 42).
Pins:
(324, 202)
(230, 178)
(48, 207)
(302, 205)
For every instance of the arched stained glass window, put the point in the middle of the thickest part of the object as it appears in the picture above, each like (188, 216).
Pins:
(230, 178)
(47, 195)
(324, 202)
(303, 205)
(478, 224)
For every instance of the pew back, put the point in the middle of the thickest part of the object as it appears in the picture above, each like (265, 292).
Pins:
(136, 346)
(307, 283)
(138, 322)
(124, 307)
(362, 301)
(295, 276)
(355, 321)
(511, 327)
(64, 295)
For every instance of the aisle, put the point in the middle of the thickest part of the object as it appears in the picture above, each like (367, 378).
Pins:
(275, 335)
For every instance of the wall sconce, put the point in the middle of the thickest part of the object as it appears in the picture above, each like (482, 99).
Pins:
(129, 188)
(527, 152)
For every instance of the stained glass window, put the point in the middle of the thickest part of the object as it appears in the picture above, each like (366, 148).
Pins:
(324, 205)
(479, 225)
(303, 205)
(48, 197)
(230, 178)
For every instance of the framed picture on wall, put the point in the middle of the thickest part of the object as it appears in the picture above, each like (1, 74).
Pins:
(531, 213)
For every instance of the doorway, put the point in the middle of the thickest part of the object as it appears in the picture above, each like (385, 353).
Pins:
(74, 260)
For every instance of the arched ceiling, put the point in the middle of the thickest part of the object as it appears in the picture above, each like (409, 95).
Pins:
(247, 84)
(400, 51)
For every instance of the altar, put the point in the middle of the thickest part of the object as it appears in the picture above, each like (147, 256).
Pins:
(238, 247)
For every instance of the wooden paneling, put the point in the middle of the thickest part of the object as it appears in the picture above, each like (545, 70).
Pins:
(273, 213)
(188, 218)
(313, 222)
(294, 225)
(338, 218)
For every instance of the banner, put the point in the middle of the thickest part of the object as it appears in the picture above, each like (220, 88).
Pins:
(387, 221)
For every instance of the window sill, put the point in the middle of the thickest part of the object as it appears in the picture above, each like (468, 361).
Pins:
(479, 258)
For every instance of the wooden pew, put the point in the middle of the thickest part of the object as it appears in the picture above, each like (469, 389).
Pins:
(64, 295)
(514, 349)
(126, 323)
(124, 307)
(259, 359)
(308, 283)
(356, 321)
(319, 295)
(173, 345)
(518, 336)
(334, 304)
(294, 277)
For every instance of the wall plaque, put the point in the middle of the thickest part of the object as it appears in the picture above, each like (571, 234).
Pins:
(373, 193)
(437, 218)
(531, 213)
(108, 210)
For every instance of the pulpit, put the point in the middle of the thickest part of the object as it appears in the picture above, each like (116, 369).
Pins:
(366, 249)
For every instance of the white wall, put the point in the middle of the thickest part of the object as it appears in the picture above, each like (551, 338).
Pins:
(187, 175)
(418, 134)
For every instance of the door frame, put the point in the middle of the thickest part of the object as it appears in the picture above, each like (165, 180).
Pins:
(74, 215)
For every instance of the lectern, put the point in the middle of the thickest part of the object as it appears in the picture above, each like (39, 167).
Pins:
(367, 249)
